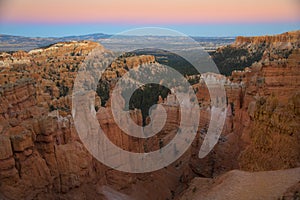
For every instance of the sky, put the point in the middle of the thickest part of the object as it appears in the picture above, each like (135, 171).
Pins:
(56, 18)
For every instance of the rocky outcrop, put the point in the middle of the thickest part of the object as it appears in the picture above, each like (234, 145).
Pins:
(16, 59)
(37, 150)
(262, 119)
(18, 101)
(66, 49)
(272, 106)
(245, 51)
(291, 37)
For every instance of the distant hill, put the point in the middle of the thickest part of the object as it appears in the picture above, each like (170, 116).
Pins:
(15, 43)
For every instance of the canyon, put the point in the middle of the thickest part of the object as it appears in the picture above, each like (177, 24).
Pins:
(42, 156)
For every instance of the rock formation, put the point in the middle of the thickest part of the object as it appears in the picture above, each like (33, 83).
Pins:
(42, 157)
(247, 50)
(41, 154)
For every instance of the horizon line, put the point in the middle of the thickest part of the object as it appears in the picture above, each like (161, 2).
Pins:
(111, 35)
(194, 30)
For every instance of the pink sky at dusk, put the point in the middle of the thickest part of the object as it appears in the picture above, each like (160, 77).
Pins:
(154, 11)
